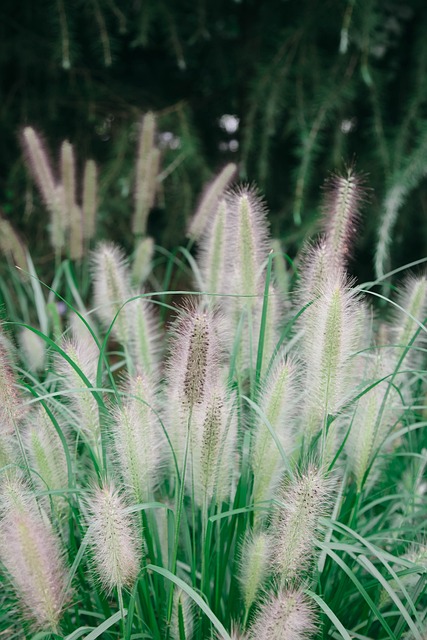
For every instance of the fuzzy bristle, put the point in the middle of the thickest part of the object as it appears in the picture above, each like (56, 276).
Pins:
(287, 616)
(116, 554)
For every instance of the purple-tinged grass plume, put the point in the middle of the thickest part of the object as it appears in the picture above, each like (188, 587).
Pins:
(114, 539)
(209, 202)
(213, 447)
(138, 439)
(212, 255)
(302, 501)
(331, 328)
(12, 246)
(84, 353)
(112, 288)
(12, 409)
(144, 343)
(343, 197)
(32, 555)
(32, 349)
(68, 178)
(46, 454)
(51, 192)
(289, 615)
(192, 372)
(253, 567)
(277, 401)
(141, 267)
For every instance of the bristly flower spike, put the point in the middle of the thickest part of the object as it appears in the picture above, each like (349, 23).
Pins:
(287, 616)
(112, 288)
(213, 255)
(141, 267)
(253, 566)
(344, 196)
(114, 539)
(209, 201)
(138, 439)
(303, 501)
(31, 553)
(277, 403)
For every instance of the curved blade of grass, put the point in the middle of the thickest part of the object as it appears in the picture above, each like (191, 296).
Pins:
(331, 615)
(377, 613)
(104, 626)
(195, 596)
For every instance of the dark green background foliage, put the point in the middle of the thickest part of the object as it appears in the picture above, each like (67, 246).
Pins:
(307, 103)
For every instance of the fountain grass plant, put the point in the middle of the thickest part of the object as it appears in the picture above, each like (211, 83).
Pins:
(246, 464)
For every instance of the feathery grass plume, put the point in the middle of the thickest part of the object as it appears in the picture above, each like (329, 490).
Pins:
(31, 552)
(114, 540)
(89, 199)
(75, 240)
(212, 253)
(68, 178)
(213, 441)
(209, 201)
(332, 329)
(368, 426)
(341, 210)
(253, 566)
(302, 501)
(147, 166)
(11, 245)
(192, 371)
(12, 408)
(141, 267)
(84, 353)
(182, 616)
(111, 288)
(248, 224)
(46, 454)
(277, 403)
(51, 192)
(33, 349)
(138, 440)
(8, 456)
(413, 300)
(288, 615)
(144, 337)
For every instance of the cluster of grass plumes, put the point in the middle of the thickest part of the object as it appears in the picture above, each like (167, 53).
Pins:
(250, 468)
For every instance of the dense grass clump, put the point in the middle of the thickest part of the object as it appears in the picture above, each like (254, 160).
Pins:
(245, 460)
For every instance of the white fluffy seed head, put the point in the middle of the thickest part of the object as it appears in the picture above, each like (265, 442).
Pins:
(12, 246)
(303, 501)
(287, 616)
(46, 454)
(209, 201)
(144, 343)
(138, 439)
(32, 556)
(84, 353)
(331, 328)
(212, 255)
(114, 541)
(141, 267)
(12, 409)
(253, 566)
(341, 210)
(111, 288)
(277, 402)
(249, 232)
(33, 349)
